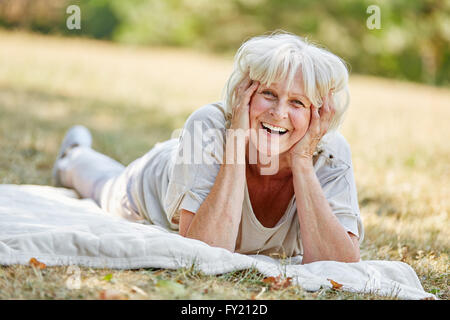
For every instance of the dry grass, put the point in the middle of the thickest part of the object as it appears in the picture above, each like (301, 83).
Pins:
(133, 97)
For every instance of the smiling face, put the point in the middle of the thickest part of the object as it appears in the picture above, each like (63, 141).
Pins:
(279, 115)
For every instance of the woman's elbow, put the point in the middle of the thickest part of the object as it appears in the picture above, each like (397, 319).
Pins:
(353, 258)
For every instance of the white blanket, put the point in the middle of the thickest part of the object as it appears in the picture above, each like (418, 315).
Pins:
(55, 227)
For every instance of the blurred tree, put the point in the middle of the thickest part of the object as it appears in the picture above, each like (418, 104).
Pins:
(99, 18)
(412, 43)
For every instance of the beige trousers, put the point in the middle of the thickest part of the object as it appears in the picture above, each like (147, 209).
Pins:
(96, 176)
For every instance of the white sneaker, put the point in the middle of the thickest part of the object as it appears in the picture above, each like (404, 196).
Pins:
(76, 136)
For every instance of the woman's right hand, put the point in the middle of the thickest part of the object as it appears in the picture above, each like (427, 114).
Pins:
(244, 91)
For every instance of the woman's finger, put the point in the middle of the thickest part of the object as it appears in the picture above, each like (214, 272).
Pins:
(327, 112)
(247, 95)
(325, 109)
(331, 103)
(241, 88)
(322, 108)
(314, 125)
(251, 89)
(245, 83)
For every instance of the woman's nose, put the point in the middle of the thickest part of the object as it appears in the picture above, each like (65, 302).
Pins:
(279, 111)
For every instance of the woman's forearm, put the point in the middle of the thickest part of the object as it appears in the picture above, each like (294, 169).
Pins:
(322, 235)
(217, 220)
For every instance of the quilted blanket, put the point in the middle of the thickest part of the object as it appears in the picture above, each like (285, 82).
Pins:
(55, 227)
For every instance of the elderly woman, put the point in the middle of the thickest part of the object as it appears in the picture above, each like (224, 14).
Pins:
(262, 172)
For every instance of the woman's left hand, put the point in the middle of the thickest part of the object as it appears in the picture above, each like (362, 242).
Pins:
(320, 121)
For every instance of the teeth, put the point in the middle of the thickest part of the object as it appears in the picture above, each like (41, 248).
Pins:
(274, 128)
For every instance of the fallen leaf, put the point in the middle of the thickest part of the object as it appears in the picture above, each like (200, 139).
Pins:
(428, 298)
(33, 262)
(277, 283)
(108, 277)
(269, 280)
(37, 264)
(336, 285)
(111, 295)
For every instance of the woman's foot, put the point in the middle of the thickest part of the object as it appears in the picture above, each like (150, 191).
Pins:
(76, 136)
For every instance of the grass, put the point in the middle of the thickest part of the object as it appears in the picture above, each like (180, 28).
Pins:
(132, 98)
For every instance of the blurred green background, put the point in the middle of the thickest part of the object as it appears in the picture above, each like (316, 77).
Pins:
(412, 43)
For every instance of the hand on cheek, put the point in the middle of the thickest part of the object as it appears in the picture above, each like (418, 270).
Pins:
(318, 126)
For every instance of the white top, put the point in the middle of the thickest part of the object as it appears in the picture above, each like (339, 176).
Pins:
(179, 174)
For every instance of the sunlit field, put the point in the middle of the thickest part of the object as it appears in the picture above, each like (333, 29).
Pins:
(131, 98)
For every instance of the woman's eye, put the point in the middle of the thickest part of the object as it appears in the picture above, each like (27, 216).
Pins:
(298, 102)
(268, 93)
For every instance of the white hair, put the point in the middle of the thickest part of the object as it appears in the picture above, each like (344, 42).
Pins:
(278, 56)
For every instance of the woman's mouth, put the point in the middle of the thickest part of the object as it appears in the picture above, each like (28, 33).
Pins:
(273, 129)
